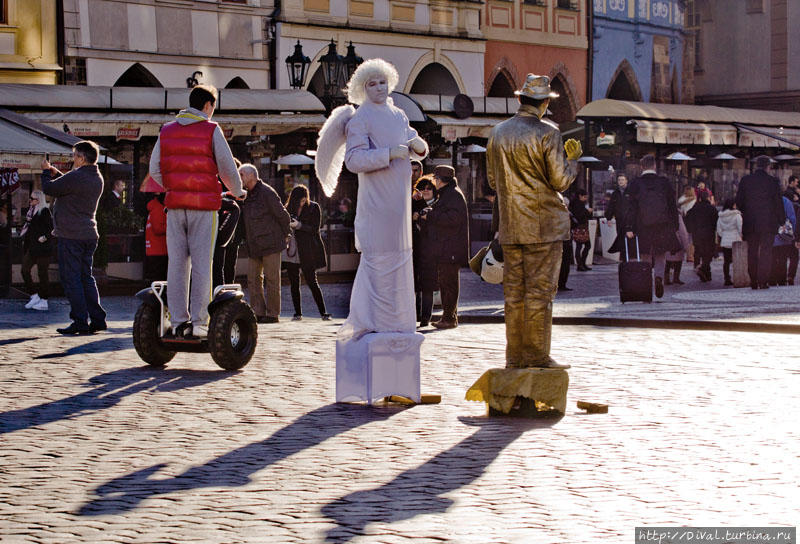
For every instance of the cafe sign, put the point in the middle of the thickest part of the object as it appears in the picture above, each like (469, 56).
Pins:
(129, 133)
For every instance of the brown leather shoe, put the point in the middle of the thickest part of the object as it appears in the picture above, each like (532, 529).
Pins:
(550, 363)
(443, 324)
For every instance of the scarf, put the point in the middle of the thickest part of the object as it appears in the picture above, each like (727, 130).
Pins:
(28, 218)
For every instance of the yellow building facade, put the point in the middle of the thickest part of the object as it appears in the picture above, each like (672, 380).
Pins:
(29, 41)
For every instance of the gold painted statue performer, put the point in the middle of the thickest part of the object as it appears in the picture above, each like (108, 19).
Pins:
(527, 167)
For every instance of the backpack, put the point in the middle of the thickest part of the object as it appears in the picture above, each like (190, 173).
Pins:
(653, 205)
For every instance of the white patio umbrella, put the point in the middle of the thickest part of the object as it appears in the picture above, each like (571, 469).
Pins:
(589, 158)
(678, 156)
(294, 159)
(724, 157)
(474, 148)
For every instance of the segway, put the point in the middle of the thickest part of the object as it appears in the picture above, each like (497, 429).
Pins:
(232, 332)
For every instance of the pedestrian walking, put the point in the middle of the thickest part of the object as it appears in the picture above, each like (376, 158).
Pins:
(228, 219)
(653, 218)
(793, 194)
(305, 251)
(674, 259)
(37, 236)
(759, 200)
(729, 230)
(526, 166)
(448, 221)
(782, 245)
(701, 222)
(617, 210)
(190, 156)
(581, 213)
(74, 224)
(267, 227)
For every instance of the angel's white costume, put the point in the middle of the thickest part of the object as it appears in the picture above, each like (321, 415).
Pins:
(382, 299)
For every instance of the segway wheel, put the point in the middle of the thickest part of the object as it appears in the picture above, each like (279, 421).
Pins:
(146, 339)
(233, 335)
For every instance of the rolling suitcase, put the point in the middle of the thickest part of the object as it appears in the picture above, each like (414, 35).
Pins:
(635, 278)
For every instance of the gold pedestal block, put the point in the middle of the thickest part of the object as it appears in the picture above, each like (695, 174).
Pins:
(500, 387)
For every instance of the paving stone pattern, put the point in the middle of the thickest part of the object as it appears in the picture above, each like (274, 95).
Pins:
(97, 447)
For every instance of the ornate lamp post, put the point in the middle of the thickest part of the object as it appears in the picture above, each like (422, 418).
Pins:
(331, 70)
(351, 61)
(297, 65)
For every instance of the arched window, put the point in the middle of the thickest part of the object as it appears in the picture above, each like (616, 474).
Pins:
(624, 85)
(237, 83)
(562, 106)
(137, 76)
(435, 79)
(501, 86)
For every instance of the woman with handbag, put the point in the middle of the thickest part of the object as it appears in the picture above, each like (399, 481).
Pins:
(36, 237)
(425, 272)
(305, 251)
(581, 213)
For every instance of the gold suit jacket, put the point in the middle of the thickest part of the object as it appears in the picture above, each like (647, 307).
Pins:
(527, 167)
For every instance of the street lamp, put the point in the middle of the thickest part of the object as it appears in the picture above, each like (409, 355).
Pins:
(351, 61)
(297, 64)
(331, 69)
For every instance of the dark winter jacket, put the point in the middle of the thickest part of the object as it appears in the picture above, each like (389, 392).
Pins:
(618, 209)
(448, 222)
(266, 221)
(759, 200)
(41, 225)
(653, 214)
(701, 221)
(310, 248)
(77, 193)
(580, 214)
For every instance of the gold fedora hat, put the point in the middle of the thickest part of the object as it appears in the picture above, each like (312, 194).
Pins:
(537, 87)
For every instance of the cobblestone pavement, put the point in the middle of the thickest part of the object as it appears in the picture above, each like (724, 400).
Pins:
(97, 447)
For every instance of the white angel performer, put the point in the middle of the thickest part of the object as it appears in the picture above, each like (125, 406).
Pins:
(376, 142)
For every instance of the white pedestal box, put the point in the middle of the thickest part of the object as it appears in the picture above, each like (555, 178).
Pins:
(378, 365)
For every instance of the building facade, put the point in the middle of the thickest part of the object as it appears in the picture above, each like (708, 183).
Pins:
(757, 41)
(29, 34)
(546, 37)
(640, 51)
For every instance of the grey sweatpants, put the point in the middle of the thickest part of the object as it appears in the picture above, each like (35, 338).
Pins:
(191, 235)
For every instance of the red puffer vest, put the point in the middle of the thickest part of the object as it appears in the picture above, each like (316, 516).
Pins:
(188, 168)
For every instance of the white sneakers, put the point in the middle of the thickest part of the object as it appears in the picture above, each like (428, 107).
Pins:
(34, 299)
(37, 303)
(200, 331)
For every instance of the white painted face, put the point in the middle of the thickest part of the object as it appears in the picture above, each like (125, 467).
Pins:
(377, 89)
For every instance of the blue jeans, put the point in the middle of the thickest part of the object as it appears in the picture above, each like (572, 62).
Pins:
(75, 269)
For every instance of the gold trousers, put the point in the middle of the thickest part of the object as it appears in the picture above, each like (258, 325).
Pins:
(530, 281)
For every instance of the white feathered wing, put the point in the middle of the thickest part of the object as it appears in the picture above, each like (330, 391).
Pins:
(331, 148)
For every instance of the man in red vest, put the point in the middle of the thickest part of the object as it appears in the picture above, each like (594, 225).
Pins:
(189, 155)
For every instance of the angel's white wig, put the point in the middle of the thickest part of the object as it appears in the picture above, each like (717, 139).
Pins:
(370, 69)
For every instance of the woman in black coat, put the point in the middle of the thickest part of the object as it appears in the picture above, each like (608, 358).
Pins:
(581, 214)
(425, 251)
(309, 252)
(36, 250)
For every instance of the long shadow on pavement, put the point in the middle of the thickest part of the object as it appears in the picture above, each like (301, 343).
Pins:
(96, 346)
(418, 491)
(235, 468)
(112, 387)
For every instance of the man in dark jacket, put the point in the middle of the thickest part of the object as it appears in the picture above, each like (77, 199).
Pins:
(618, 209)
(266, 230)
(701, 222)
(449, 224)
(653, 217)
(759, 200)
(77, 193)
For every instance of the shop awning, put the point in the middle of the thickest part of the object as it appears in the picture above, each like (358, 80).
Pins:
(664, 132)
(453, 128)
(700, 125)
(132, 126)
(14, 139)
(72, 97)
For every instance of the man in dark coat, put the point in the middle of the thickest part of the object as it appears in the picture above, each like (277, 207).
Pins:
(653, 218)
(701, 222)
(77, 193)
(449, 222)
(266, 233)
(618, 209)
(759, 200)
